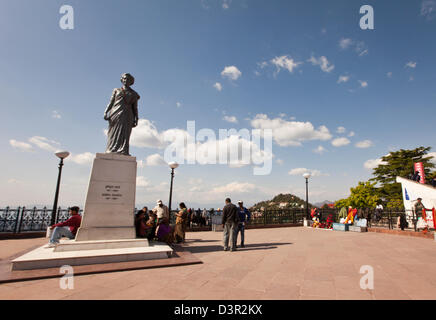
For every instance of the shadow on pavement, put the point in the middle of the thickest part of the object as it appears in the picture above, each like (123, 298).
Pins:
(248, 247)
(200, 240)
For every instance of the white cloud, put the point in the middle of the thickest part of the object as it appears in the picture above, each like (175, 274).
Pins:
(301, 171)
(345, 43)
(322, 62)
(178, 104)
(55, 115)
(231, 72)
(285, 62)
(364, 144)
(280, 161)
(363, 84)
(82, 158)
(372, 163)
(341, 130)
(231, 119)
(343, 79)
(340, 142)
(235, 187)
(351, 134)
(155, 160)
(44, 143)
(226, 4)
(432, 154)
(320, 150)
(22, 146)
(428, 9)
(389, 74)
(410, 64)
(146, 135)
(359, 46)
(142, 182)
(290, 133)
(13, 181)
(218, 86)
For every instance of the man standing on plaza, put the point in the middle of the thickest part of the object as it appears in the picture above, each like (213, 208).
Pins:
(161, 211)
(244, 217)
(230, 224)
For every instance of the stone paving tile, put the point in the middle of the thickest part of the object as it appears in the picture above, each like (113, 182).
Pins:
(281, 292)
(284, 263)
(318, 288)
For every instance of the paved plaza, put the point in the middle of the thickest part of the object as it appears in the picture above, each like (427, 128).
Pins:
(281, 263)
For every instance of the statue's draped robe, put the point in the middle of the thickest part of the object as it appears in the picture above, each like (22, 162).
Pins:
(121, 111)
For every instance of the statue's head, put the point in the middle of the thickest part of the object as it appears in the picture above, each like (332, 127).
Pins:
(127, 79)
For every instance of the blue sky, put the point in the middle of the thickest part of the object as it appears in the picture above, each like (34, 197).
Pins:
(298, 63)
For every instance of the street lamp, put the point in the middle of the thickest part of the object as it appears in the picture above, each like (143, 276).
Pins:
(307, 176)
(172, 165)
(61, 155)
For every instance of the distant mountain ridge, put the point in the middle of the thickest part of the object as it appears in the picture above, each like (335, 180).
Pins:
(281, 201)
(322, 203)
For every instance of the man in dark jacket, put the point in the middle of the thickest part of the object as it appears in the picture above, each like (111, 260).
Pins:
(230, 224)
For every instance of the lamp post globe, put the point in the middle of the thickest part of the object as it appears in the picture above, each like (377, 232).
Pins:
(173, 166)
(61, 155)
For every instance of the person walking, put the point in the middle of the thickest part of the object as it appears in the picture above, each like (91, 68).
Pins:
(244, 217)
(230, 224)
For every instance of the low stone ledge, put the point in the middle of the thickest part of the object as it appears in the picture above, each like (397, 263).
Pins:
(428, 235)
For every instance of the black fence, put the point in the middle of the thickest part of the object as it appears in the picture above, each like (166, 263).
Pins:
(22, 219)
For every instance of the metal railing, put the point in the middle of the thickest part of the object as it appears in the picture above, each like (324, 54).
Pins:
(22, 219)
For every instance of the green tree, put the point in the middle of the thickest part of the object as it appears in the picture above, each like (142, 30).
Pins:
(399, 163)
(364, 195)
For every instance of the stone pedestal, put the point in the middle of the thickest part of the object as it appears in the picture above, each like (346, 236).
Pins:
(110, 201)
(107, 233)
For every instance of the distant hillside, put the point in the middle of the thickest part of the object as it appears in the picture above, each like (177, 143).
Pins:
(281, 201)
(322, 203)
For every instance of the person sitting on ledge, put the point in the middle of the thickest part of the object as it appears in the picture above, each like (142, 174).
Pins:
(66, 229)
(140, 222)
(164, 232)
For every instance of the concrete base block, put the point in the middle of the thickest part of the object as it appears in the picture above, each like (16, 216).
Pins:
(45, 257)
(71, 245)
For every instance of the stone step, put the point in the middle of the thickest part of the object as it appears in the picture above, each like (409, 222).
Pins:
(72, 245)
(44, 257)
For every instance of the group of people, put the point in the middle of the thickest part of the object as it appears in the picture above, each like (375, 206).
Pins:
(155, 224)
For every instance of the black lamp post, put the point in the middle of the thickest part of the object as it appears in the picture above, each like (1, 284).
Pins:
(61, 155)
(307, 176)
(173, 165)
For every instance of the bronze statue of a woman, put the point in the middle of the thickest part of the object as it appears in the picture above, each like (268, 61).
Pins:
(122, 114)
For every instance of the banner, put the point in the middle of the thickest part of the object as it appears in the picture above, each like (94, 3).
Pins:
(419, 167)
